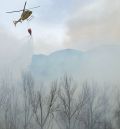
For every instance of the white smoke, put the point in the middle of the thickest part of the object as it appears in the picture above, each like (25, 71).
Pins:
(15, 54)
(94, 24)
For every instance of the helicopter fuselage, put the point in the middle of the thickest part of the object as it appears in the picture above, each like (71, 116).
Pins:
(25, 15)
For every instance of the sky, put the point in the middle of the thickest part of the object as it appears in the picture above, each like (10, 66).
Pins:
(76, 24)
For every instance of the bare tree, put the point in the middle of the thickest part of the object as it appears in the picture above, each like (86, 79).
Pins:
(89, 111)
(93, 115)
(106, 117)
(27, 83)
(44, 107)
(4, 91)
(70, 106)
(11, 110)
(117, 110)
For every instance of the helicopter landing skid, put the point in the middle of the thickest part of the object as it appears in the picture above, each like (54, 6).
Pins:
(30, 18)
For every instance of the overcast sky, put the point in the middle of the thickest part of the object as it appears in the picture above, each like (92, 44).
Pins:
(58, 24)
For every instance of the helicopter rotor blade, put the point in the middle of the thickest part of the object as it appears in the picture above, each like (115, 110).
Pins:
(19, 10)
(23, 8)
(14, 11)
(34, 7)
(24, 5)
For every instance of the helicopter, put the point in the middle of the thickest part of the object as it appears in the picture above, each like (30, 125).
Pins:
(25, 15)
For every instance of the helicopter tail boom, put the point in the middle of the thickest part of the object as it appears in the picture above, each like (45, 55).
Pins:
(15, 22)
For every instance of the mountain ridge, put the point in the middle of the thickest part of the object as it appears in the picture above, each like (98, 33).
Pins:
(99, 64)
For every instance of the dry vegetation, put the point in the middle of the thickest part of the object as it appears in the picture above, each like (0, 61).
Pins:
(64, 106)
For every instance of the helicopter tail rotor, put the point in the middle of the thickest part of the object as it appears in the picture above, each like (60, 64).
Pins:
(15, 22)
